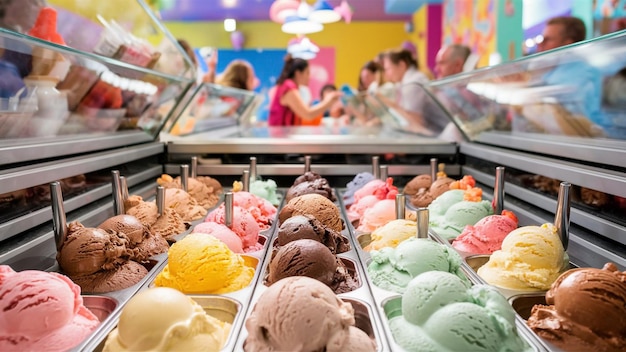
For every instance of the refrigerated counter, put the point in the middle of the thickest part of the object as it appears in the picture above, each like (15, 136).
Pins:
(535, 116)
(550, 117)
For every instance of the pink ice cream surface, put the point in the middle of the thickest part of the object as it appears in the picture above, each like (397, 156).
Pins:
(378, 215)
(379, 188)
(41, 311)
(357, 209)
(262, 210)
(222, 233)
(486, 236)
(244, 224)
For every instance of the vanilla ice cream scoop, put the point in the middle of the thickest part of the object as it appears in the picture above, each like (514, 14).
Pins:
(164, 319)
(531, 258)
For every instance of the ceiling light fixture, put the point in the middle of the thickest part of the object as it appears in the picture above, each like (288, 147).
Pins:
(281, 9)
(301, 25)
(230, 25)
(324, 13)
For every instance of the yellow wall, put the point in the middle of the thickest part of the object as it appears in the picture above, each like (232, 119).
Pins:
(354, 43)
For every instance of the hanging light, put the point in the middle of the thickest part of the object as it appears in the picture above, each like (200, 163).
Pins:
(301, 25)
(303, 48)
(324, 13)
(281, 9)
(345, 10)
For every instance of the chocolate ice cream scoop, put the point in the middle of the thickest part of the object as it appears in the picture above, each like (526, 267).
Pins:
(307, 177)
(318, 186)
(88, 250)
(104, 281)
(417, 183)
(144, 242)
(586, 311)
(440, 186)
(301, 227)
(302, 314)
(316, 205)
(310, 182)
(129, 225)
(312, 259)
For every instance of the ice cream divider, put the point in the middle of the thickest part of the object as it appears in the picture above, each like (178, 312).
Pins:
(361, 298)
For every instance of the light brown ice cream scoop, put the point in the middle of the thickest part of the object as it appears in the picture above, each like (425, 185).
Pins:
(88, 250)
(129, 225)
(418, 182)
(144, 242)
(586, 311)
(316, 205)
(302, 314)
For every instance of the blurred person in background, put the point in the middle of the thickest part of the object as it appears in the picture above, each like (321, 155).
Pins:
(402, 69)
(371, 75)
(451, 60)
(287, 105)
(561, 31)
(238, 74)
(572, 71)
(336, 109)
(209, 76)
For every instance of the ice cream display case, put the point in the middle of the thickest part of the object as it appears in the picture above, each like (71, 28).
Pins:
(552, 117)
(374, 288)
(69, 116)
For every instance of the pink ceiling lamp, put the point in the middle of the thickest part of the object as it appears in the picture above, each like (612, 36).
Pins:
(281, 9)
(345, 11)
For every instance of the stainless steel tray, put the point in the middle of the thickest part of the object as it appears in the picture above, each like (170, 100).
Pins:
(361, 299)
(519, 299)
(229, 307)
(118, 297)
(388, 303)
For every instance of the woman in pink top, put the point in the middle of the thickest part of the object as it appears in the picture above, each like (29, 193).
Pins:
(287, 102)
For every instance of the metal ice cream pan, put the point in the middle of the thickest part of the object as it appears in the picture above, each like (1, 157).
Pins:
(222, 308)
(474, 262)
(523, 305)
(120, 298)
(364, 315)
(389, 304)
(361, 299)
(241, 297)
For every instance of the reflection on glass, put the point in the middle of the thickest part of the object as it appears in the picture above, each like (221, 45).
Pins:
(573, 91)
(213, 106)
(131, 35)
(50, 90)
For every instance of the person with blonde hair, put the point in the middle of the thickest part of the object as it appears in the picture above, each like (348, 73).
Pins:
(238, 74)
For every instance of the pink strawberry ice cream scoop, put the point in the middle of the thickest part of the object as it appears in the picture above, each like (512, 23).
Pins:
(369, 195)
(41, 311)
(263, 211)
(487, 235)
(222, 233)
(381, 189)
(244, 225)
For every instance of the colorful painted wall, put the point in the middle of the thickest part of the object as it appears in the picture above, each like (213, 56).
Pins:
(354, 43)
(486, 26)
(427, 34)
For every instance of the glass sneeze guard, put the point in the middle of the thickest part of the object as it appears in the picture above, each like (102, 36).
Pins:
(578, 91)
(56, 94)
